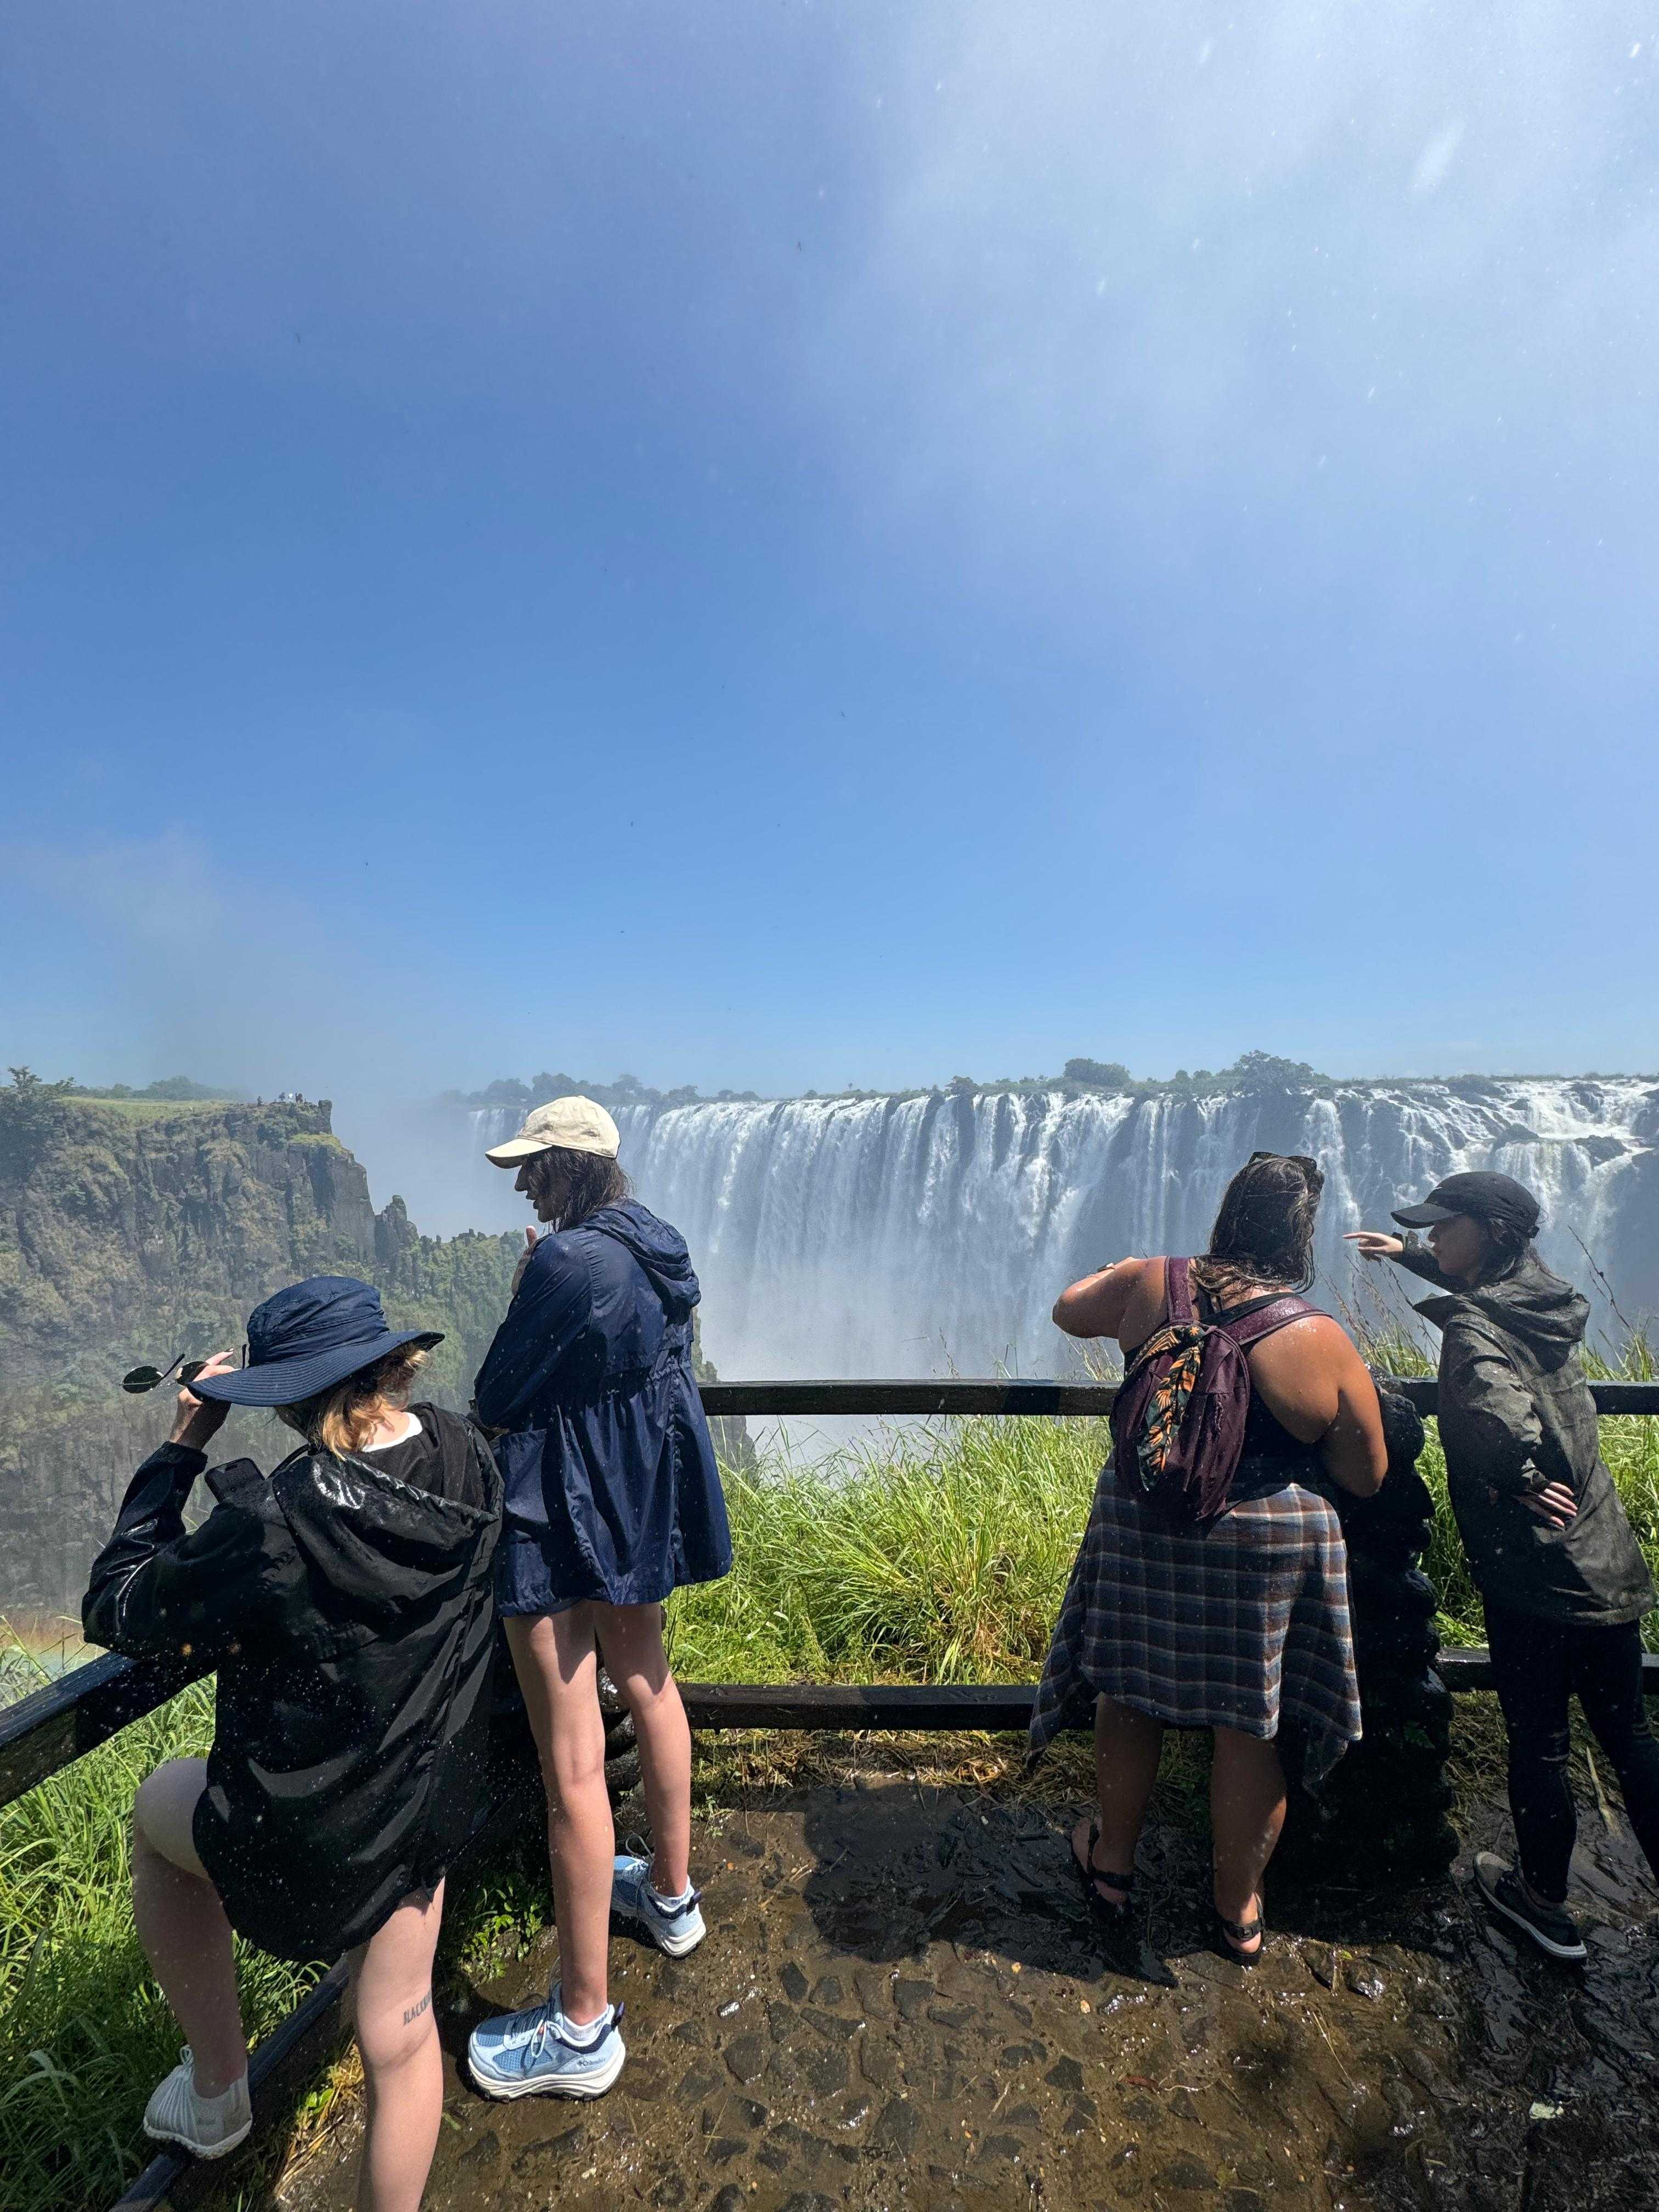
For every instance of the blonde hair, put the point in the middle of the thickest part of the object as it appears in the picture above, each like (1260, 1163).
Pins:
(343, 1419)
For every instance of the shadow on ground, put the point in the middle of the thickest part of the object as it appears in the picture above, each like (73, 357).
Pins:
(900, 2005)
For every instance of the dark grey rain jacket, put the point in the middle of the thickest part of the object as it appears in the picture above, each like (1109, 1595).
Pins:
(1516, 1413)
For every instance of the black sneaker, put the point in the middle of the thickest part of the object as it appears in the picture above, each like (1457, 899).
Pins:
(1550, 1926)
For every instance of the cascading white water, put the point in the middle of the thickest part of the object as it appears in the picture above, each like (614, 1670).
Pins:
(910, 1236)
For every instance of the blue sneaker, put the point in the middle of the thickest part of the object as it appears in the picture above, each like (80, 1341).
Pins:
(674, 1924)
(537, 2053)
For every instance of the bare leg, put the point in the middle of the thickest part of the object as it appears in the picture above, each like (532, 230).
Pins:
(1128, 1747)
(1247, 1812)
(182, 1925)
(630, 1637)
(403, 2062)
(558, 1668)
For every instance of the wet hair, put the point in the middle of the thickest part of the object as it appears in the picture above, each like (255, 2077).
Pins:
(1264, 1231)
(342, 1419)
(579, 1184)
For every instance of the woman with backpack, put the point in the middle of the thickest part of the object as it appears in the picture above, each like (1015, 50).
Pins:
(613, 1500)
(1210, 1589)
(1559, 1572)
(348, 1605)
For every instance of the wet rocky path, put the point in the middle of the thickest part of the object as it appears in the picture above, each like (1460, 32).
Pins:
(899, 2005)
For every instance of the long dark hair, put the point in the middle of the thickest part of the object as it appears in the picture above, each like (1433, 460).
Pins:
(1507, 1246)
(1264, 1231)
(576, 1183)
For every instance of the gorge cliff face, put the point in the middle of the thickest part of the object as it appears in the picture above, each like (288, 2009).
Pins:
(130, 1234)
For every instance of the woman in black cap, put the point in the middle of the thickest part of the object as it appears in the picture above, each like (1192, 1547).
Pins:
(1561, 1576)
(348, 1604)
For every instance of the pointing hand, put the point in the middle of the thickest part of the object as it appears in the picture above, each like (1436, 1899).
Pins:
(1372, 1246)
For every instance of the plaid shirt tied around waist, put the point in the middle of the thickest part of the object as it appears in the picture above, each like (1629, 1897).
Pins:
(1238, 1624)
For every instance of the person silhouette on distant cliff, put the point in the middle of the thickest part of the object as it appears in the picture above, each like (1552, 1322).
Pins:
(348, 1605)
(613, 1500)
(1560, 1574)
(1210, 1589)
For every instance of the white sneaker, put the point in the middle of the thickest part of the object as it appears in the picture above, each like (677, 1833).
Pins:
(673, 1923)
(211, 2127)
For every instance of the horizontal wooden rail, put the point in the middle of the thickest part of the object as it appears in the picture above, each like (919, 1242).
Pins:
(54, 1727)
(956, 1395)
(48, 1730)
(834, 1706)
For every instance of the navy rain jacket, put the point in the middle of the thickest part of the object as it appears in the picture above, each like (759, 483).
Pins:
(612, 1490)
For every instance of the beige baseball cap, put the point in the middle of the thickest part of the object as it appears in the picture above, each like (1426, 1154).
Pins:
(576, 1125)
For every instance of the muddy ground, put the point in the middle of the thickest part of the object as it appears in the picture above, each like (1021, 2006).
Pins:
(900, 2004)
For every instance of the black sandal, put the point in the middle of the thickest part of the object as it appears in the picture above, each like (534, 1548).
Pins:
(1127, 1951)
(1091, 1877)
(1233, 1933)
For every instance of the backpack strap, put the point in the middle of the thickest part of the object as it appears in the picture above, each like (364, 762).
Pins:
(1264, 1318)
(1178, 1291)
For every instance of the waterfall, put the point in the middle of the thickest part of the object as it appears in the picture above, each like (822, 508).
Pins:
(910, 1236)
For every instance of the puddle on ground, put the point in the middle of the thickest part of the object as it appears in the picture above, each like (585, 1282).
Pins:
(900, 2005)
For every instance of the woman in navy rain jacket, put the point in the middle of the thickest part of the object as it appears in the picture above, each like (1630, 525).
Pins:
(612, 1500)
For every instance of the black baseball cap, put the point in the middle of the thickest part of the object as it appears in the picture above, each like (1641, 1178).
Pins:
(1482, 1195)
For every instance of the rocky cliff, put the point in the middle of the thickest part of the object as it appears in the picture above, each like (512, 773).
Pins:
(129, 1236)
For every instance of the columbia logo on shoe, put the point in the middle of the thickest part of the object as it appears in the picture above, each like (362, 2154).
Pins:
(540, 2053)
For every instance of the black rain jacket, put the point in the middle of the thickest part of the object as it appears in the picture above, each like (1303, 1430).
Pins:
(351, 1617)
(1516, 1413)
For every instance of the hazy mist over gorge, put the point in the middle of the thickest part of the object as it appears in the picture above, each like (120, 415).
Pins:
(908, 1233)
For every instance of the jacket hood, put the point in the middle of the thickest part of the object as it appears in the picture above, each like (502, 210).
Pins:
(1537, 1307)
(659, 1251)
(378, 1540)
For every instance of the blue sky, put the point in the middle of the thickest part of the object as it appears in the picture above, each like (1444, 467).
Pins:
(781, 545)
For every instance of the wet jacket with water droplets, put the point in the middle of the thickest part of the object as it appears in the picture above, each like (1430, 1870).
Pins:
(612, 1490)
(350, 1615)
(1516, 1413)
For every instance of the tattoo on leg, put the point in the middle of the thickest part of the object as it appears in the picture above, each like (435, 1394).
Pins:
(415, 2011)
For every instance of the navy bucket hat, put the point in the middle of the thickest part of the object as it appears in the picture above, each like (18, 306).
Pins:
(308, 1338)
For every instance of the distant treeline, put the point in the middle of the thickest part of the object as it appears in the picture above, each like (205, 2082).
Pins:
(1250, 1072)
(178, 1087)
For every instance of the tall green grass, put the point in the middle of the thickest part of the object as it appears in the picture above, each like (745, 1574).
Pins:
(84, 2033)
(937, 1554)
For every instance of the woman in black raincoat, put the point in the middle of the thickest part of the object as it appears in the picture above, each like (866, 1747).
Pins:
(348, 1605)
(613, 1500)
(1559, 1571)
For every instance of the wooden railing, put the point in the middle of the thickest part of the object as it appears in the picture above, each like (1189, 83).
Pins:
(48, 1730)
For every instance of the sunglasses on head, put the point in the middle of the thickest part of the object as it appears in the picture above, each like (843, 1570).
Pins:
(1310, 1167)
